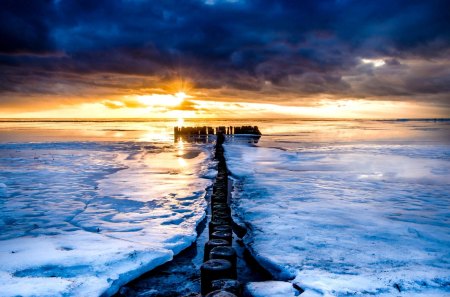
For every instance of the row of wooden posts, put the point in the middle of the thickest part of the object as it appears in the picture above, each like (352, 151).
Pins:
(218, 272)
(226, 130)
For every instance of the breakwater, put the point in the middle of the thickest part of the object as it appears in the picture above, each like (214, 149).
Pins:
(228, 265)
(219, 270)
(221, 130)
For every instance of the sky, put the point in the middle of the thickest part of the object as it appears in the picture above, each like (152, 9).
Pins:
(225, 58)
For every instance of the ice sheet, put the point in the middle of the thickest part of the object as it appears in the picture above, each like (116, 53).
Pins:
(348, 219)
(81, 219)
(271, 289)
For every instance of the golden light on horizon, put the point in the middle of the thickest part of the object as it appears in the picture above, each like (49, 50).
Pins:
(162, 99)
(181, 95)
(180, 105)
(180, 121)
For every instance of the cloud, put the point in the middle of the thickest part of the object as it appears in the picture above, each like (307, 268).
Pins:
(284, 52)
(186, 105)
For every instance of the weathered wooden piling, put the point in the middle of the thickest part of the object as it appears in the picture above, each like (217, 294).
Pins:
(226, 228)
(228, 236)
(212, 243)
(213, 270)
(226, 253)
(205, 131)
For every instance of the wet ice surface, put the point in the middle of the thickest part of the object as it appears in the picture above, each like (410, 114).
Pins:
(347, 219)
(84, 218)
(271, 289)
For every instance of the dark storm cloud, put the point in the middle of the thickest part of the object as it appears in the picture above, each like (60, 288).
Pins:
(262, 46)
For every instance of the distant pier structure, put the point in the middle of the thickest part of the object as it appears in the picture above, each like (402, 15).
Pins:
(204, 132)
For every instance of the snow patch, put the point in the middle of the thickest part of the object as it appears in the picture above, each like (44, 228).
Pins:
(271, 289)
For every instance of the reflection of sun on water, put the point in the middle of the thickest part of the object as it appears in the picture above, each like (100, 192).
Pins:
(180, 146)
(119, 134)
(155, 136)
(182, 162)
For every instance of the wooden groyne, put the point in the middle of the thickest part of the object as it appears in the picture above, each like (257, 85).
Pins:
(224, 130)
(218, 272)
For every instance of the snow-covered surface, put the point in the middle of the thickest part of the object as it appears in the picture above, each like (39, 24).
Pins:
(271, 289)
(347, 218)
(83, 218)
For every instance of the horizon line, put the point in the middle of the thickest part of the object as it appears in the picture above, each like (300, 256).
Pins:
(105, 119)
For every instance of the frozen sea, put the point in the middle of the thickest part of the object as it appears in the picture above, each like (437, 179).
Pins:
(340, 208)
(347, 208)
(87, 207)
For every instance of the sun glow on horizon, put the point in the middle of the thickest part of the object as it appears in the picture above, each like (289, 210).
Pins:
(180, 105)
(180, 122)
(162, 99)
(181, 95)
